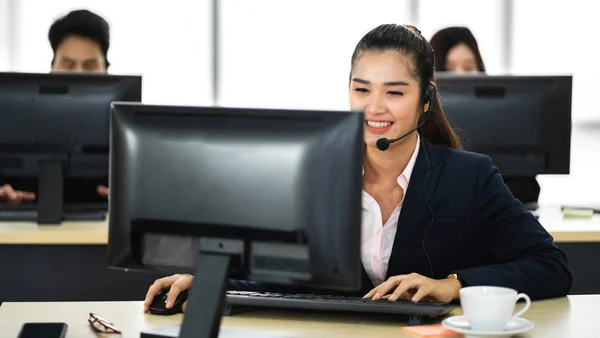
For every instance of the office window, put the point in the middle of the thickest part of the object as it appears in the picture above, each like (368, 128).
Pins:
(294, 54)
(168, 43)
(4, 36)
(559, 42)
(483, 18)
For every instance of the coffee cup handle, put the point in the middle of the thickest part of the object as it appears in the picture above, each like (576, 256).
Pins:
(525, 308)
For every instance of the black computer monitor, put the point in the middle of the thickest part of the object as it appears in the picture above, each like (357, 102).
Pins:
(522, 122)
(56, 126)
(269, 195)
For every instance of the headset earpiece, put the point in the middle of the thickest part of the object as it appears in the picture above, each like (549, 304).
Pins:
(429, 96)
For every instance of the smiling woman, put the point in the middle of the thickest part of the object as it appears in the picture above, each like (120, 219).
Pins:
(434, 218)
(386, 79)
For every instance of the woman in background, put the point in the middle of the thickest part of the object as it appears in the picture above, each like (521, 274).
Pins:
(456, 50)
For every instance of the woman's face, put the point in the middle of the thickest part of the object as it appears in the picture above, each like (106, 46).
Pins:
(461, 59)
(382, 86)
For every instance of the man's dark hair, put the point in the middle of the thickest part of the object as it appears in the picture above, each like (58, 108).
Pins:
(81, 23)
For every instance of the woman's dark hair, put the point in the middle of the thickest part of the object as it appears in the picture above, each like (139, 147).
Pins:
(446, 39)
(82, 23)
(408, 41)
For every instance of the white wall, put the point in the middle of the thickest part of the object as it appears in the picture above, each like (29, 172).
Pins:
(295, 53)
(560, 42)
(5, 35)
(169, 44)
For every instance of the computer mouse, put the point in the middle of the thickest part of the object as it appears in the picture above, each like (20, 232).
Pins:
(159, 306)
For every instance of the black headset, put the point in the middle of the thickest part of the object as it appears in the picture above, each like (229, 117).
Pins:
(429, 96)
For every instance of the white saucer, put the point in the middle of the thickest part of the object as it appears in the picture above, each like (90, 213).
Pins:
(461, 325)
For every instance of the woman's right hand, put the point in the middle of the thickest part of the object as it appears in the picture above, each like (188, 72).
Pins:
(8, 194)
(176, 284)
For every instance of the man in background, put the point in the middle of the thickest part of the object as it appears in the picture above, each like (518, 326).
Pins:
(80, 42)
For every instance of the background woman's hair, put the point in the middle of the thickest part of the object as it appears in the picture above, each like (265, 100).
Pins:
(446, 39)
(408, 41)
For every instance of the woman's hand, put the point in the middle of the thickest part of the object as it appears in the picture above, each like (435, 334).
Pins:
(176, 284)
(415, 287)
(9, 195)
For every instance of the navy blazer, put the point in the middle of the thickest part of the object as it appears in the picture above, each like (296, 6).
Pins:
(458, 216)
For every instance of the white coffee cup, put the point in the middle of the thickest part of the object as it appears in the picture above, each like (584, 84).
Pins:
(490, 308)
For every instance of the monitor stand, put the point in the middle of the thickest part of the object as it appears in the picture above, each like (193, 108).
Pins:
(206, 298)
(50, 192)
(206, 304)
(50, 209)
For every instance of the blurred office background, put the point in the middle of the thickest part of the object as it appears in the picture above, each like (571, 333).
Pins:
(291, 53)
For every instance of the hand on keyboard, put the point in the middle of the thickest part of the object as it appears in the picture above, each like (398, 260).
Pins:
(335, 303)
(314, 297)
(416, 288)
(9, 195)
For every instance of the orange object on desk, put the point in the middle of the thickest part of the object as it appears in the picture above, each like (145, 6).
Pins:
(433, 330)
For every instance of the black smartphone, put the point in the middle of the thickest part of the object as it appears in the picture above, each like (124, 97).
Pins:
(45, 330)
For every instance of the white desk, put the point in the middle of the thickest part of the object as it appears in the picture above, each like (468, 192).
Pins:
(569, 229)
(27, 249)
(96, 232)
(30, 233)
(574, 316)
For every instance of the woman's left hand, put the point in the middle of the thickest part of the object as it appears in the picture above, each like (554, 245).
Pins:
(415, 287)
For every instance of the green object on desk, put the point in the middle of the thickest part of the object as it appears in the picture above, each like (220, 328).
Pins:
(578, 213)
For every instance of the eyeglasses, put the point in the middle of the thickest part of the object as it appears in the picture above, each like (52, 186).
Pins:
(101, 325)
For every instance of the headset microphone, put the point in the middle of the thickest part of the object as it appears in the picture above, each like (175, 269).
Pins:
(383, 143)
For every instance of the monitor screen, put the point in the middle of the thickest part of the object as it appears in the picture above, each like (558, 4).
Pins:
(54, 135)
(278, 190)
(522, 122)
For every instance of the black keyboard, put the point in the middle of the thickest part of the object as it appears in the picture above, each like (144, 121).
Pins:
(68, 207)
(337, 303)
(93, 211)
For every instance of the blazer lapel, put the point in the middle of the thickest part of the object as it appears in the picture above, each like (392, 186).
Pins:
(415, 209)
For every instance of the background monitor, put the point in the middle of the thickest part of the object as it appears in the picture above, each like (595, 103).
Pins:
(268, 195)
(522, 122)
(55, 127)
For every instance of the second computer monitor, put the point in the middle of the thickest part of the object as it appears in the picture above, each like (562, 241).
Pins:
(54, 127)
(277, 190)
(522, 122)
